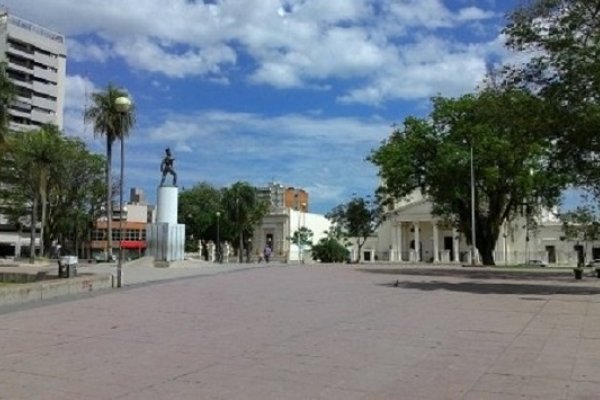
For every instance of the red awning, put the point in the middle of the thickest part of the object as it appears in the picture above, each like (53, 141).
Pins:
(133, 244)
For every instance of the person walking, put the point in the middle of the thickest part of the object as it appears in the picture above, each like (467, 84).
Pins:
(267, 253)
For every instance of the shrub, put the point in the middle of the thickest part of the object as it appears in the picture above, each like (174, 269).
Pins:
(329, 250)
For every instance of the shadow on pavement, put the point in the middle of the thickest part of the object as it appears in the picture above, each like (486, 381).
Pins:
(478, 273)
(495, 288)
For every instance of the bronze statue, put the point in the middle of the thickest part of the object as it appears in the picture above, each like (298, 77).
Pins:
(167, 167)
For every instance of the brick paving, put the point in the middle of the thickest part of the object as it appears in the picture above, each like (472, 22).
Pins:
(312, 332)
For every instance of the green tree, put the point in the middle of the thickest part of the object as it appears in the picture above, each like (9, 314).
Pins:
(76, 193)
(49, 174)
(198, 209)
(7, 94)
(581, 225)
(244, 210)
(507, 131)
(109, 123)
(357, 219)
(31, 157)
(329, 249)
(302, 238)
(564, 38)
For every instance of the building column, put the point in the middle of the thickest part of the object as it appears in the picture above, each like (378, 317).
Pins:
(393, 245)
(399, 242)
(455, 241)
(505, 243)
(436, 244)
(417, 242)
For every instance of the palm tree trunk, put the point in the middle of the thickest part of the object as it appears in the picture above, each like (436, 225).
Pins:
(34, 207)
(109, 196)
(44, 201)
(241, 251)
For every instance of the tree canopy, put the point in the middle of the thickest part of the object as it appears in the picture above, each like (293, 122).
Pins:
(7, 93)
(507, 131)
(46, 173)
(198, 209)
(244, 210)
(357, 219)
(562, 39)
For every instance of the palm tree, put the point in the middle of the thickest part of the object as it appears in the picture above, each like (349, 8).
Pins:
(244, 209)
(112, 125)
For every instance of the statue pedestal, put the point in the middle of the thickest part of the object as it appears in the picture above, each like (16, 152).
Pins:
(166, 238)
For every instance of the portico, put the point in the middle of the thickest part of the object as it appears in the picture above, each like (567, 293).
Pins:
(427, 241)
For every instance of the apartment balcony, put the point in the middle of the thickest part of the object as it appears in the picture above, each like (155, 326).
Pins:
(44, 88)
(19, 67)
(20, 127)
(23, 105)
(11, 49)
(23, 99)
(44, 59)
(44, 103)
(43, 117)
(46, 74)
(19, 113)
(24, 84)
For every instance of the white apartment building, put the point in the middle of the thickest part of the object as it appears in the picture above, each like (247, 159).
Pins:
(35, 60)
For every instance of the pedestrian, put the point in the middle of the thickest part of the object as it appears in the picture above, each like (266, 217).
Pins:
(267, 253)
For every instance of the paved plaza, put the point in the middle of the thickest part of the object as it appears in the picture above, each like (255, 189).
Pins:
(312, 332)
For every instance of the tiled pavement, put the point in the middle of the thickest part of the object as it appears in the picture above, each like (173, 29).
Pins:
(312, 332)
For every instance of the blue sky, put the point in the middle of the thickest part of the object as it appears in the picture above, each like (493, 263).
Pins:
(295, 91)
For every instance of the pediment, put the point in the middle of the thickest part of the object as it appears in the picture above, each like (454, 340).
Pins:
(420, 210)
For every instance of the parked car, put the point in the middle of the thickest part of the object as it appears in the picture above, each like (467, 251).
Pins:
(594, 263)
(536, 263)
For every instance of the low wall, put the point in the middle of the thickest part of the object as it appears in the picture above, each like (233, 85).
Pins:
(37, 291)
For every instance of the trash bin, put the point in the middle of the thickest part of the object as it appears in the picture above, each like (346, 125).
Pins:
(67, 267)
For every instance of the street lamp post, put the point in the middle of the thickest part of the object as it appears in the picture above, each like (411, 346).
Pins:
(473, 234)
(219, 259)
(123, 106)
(301, 231)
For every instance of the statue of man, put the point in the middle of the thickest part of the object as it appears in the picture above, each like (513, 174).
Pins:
(167, 167)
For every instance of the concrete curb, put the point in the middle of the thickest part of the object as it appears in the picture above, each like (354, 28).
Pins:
(44, 290)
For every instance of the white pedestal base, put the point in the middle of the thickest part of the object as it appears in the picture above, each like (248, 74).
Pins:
(166, 241)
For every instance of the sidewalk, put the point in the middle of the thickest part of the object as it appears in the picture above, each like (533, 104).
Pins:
(99, 277)
(311, 332)
(142, 271)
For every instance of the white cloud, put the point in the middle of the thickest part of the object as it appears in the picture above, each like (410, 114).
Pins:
(291, 43)
(429, 67)
(147, 55)
(77, 90)
(88, 51)
(280, 75)
(474, 14)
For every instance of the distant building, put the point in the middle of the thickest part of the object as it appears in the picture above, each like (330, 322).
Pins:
(135, 216)
(35, 60)
(288, 212)
(273, 194)
(296, 199)
(411, 233)
(137, 196)
(280, 197)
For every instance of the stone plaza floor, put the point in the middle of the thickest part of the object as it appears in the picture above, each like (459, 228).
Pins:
(313, 332)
